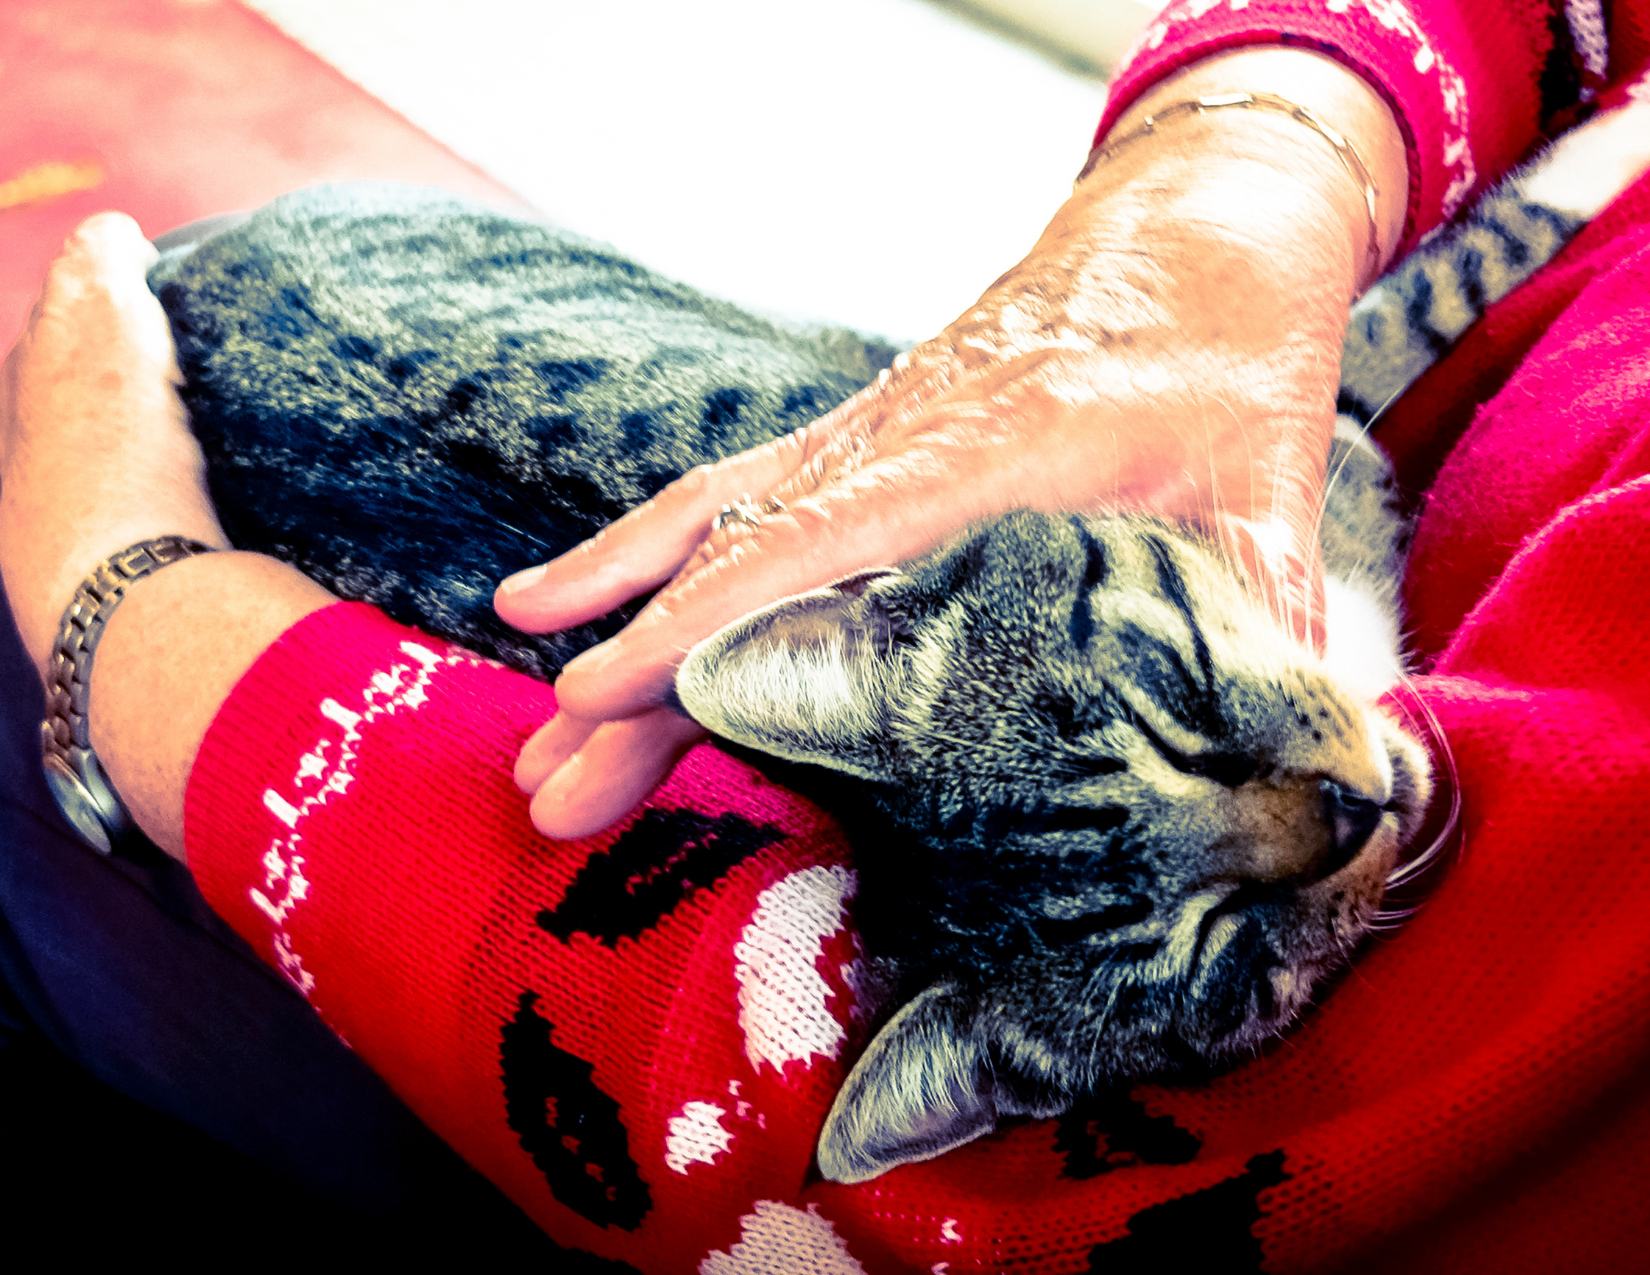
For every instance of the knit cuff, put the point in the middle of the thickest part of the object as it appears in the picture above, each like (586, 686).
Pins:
(286, 739)
(1419, 58)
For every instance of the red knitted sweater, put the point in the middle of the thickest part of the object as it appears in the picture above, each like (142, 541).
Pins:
(638, 1036)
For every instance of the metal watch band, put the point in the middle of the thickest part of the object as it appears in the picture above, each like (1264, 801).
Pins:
(72, 770)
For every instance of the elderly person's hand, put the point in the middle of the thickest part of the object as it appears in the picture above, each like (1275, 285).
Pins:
(96, 455)
(95, 448)
(1171, 345)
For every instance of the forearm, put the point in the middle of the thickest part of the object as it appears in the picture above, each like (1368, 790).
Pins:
(170, 656)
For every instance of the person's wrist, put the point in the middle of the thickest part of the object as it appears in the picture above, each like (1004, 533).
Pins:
(1305, 181)
(1232, 188)
(70, 541)
(171, 654)
(1229, 257)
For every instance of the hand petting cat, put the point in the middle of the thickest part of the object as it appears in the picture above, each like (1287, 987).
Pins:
(1170, 345)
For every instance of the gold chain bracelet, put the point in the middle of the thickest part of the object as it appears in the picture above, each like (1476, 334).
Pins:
(1345, 151)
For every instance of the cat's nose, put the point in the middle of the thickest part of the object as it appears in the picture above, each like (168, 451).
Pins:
(1351, 819)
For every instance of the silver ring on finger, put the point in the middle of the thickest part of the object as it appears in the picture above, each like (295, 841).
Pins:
(747, 511)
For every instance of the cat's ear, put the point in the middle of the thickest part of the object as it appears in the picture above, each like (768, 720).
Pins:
(921, 1088)
(809, 678)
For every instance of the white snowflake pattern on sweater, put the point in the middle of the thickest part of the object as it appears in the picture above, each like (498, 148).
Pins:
(782, 996)
(324, 774)
(695, 1135)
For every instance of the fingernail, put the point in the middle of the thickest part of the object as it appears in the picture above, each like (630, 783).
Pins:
(523, 579)
(554, 809)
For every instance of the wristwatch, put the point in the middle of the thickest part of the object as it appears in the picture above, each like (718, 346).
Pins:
(77, 781)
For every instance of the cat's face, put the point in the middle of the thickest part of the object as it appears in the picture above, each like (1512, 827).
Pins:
(1124, 823)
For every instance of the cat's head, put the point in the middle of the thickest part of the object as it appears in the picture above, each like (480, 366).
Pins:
(1123, 822)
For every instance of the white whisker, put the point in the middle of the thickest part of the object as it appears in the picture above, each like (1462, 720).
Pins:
(1410, 870)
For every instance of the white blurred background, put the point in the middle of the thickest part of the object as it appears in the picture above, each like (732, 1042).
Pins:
(874, 163)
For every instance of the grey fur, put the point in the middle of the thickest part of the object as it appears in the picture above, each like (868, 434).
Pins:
(409, 395)
(1191, 931)
(916, 1092)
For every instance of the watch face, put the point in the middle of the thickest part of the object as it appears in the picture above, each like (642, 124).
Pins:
(76, 804)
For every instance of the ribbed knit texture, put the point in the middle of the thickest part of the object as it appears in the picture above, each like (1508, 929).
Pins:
(1471, 81)
(638, 1036)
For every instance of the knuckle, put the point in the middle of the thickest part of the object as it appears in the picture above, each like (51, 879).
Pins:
(89, 239)
(109, 229)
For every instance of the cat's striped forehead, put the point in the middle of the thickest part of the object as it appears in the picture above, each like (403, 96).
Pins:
(1131, 795)
(1031, 656)
(1051, 628)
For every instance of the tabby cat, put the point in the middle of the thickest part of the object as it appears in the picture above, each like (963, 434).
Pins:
(1111, 820)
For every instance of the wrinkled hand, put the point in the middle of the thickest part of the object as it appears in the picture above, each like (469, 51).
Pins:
(95, 450)
(1170, 345)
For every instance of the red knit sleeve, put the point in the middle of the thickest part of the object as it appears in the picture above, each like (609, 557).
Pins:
(1472, 82)
(636, 1037)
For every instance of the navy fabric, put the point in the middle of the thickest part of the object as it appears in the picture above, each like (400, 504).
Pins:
(121, 966)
